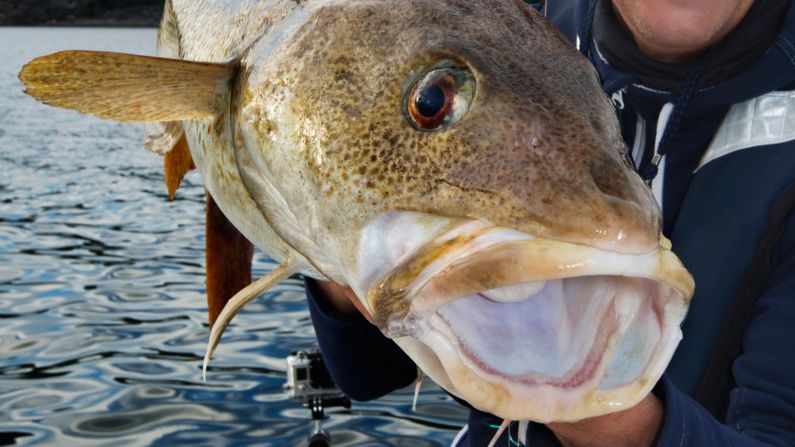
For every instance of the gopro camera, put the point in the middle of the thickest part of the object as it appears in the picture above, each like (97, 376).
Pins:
(309, 382)
(308, 378)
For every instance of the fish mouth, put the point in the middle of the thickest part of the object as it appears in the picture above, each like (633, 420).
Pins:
(530, 340)
(535, 329)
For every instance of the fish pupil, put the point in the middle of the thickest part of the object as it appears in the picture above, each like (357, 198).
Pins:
(430, 101)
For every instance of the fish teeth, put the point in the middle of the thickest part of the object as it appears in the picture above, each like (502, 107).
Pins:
(515, 293)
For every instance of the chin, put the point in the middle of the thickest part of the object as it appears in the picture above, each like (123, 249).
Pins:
(677, 30)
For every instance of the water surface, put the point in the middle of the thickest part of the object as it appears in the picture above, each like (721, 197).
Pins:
(102, 312)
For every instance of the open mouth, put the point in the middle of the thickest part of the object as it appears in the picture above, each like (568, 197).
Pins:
(530, 328)
(559, 334)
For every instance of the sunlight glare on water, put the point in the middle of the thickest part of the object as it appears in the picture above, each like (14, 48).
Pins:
(102, 301)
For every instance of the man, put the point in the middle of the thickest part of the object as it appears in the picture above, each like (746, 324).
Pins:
(705, 93)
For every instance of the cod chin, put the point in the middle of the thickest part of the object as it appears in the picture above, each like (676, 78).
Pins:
(522, 327)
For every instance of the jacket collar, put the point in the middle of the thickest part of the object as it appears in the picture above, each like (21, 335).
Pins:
(775, 70)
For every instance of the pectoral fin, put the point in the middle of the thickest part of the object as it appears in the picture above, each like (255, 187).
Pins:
(126, 87)
(242, 298)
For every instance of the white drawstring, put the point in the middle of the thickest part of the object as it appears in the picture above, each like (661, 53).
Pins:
(659, 161)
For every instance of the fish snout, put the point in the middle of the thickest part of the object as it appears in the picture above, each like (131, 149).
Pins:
(564, 183)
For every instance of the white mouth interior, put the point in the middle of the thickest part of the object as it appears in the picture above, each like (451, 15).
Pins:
(556, 331)
(566, 332)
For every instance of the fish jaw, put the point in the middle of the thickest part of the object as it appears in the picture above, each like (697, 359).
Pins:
(523, 327)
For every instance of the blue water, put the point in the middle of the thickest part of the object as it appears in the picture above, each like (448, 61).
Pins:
(102, 312)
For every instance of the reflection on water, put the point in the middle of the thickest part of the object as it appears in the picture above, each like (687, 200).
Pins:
(102, 304)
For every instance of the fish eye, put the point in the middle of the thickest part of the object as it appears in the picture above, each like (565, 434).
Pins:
(439, 98)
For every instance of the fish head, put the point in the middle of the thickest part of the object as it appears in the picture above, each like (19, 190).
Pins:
(477, 111)
(458, 165)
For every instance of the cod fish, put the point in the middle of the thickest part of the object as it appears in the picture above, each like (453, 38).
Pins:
(454, 162)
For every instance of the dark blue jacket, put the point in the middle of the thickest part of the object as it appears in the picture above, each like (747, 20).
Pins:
(728, 196)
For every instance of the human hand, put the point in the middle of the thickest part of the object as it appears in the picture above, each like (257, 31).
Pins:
(343, 299)
(634, 427)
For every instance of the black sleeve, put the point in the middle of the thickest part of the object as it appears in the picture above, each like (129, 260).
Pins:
(364, 364)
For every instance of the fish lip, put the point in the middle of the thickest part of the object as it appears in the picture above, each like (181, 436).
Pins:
(392, 295)
(414, 291)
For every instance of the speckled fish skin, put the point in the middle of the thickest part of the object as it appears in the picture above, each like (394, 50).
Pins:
(319, 97)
